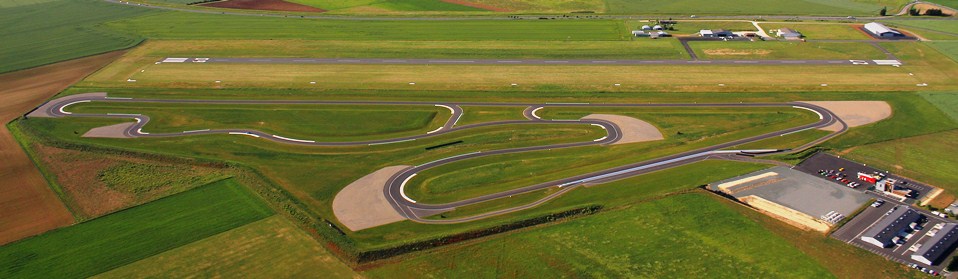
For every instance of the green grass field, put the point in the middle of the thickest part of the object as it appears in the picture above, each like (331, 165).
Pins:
(390, 5)
(53, 31)
(750, 7)
(117, 239)
(322, 122)
(947, 48)
(931, 29)
(204, 27)
(480, 114)
(719, 50)
(703, 238)
(818, 31)
(927, 158)
(273, 247)
(684, 129)
(947, 102)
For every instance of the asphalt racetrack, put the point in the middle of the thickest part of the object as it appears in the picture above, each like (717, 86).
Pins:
(409, 208)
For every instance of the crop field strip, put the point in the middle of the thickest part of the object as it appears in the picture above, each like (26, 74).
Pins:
(114, 240)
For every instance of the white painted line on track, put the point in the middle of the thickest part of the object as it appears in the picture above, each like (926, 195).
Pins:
(388, 142)
(70, 104)
(451, 61)
(603, 61)
(433, 131)
(509, 61)
(402, 188)
(792, 132)
(124, 114)
(600, 139)
(567, 103)
(453, 111)
(245, 134)
(534, 113)
(117, 98)
(296, 140)
(196, 131)
(140, 131)
(820, 116)
(555, 61)
(600, 126)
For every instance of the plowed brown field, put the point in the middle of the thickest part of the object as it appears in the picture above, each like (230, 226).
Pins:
(28, 205)
(265, 5)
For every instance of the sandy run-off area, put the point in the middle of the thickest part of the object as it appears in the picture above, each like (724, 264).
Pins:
(633, 130)
(113, 131)
(855, 113)
(264, 5)
(362, 204)
(27, 203)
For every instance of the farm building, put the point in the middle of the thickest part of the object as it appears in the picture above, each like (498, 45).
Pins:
(717, 33)
(657, 27)
(789, 34)
(640, 33)
(888, 230)
(881, 30)
(646, 27)
(938, 246)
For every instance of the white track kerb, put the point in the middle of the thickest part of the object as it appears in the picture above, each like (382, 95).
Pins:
(402, 188)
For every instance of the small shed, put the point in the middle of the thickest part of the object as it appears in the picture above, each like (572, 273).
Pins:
(789, 34)
(646, 27)
(640, 33)
(657, 27)
(716, 33)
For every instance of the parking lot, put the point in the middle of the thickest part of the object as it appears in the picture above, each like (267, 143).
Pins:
(823, 161)
(851, 233)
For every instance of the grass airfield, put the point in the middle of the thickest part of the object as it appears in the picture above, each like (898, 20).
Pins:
(286, 191)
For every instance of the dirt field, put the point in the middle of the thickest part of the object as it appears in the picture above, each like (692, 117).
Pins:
(265, 5)
(787, 215)
(856, 113)
(476, 5)
(29, 206)
(633, 130)
(361, 204)
(923, 7)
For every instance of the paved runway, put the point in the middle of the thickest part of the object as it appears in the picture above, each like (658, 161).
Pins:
(406, 61)
(394, 189)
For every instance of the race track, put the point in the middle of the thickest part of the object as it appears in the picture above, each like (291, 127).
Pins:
(394, 188)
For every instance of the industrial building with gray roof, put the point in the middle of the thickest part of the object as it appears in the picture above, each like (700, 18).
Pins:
(938, 246)
(883, 233)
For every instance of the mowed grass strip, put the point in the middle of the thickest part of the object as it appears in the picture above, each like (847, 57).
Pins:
(206, 26)
(117, 239)
(690, 235)
(480, 114)
(763, 50)
(315, 122)
(270, 248)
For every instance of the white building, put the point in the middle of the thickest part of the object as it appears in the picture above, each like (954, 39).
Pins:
(881, 30)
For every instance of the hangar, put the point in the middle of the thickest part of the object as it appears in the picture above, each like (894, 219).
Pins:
(889, 229)
(938, 246)
(880, 30)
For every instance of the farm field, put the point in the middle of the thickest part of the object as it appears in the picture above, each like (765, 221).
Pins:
(684, 130)
(785, 50)
(30, 207)
(272, 247)
(818, 31)
(114, 240)
(329, 122)
(52, 31)
(948, 48)
(597, 246)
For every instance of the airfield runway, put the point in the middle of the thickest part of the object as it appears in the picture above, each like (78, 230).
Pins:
(437, 61)
(409, 208)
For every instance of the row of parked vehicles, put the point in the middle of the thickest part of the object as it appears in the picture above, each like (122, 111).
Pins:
(925, 270)
(839, 177)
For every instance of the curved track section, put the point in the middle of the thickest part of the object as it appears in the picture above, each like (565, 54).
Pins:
(415, 211)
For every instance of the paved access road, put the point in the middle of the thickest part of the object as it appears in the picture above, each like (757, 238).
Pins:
(438, 61)
(415, 211)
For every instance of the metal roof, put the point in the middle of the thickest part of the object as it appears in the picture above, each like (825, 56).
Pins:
(938, 245)
(879, 28)
(891, 225)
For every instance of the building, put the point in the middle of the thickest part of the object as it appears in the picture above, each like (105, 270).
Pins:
(717, 33)
(657, 27)
(789, 34)
(646, 27)
(891, 227)
(640, 33)
(937, 247)
(880, 30)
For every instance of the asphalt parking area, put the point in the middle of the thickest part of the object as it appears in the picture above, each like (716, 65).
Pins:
(824, 161)
(797, 190)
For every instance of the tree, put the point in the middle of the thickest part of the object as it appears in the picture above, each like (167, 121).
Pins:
(913, 12)
(934, 12)
(883, 11)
